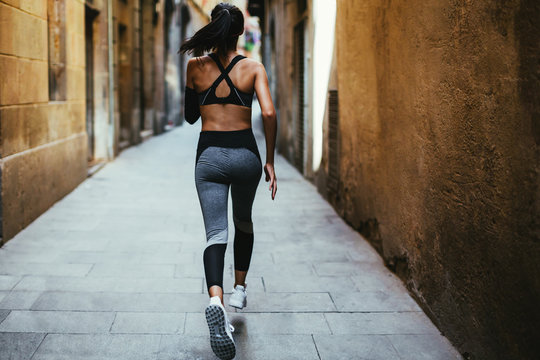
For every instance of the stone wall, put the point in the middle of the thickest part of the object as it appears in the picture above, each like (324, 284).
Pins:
(439, 122)
(280, 18)
(43, 143)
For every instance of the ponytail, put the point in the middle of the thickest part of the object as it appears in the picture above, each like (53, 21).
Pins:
(220, 34)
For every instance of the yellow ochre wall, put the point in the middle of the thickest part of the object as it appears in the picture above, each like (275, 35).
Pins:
(43, 143)
(439, 122)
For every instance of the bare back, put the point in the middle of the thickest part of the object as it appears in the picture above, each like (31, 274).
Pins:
(201, 74)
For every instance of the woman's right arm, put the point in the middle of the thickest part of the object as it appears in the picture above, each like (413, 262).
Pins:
(270, 124)
(191, 101)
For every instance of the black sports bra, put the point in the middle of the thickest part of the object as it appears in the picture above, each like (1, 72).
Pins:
(235, 96)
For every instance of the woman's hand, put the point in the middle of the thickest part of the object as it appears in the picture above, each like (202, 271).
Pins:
(271, 176)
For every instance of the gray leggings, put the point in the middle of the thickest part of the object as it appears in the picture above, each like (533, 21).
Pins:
(217, 169)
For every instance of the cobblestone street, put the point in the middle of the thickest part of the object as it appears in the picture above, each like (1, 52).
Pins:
(114, 271)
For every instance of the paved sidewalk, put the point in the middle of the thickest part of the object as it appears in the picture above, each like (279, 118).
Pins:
(114, 271)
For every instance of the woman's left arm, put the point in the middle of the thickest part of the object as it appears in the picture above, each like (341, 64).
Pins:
(191, 102)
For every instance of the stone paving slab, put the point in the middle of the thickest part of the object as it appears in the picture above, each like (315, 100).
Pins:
(57, 321)
(3, 314)
(252, 347)
(380, 323)
(110, 284)
(98, 347)
(19, 346)
(110, 301)
(423, 347)
(264, 323)
(149, 323)
(114, 271)
(373, 301)
(346, 347)
(19, 300)
(7, 282)
(30, 268)
(308, 284)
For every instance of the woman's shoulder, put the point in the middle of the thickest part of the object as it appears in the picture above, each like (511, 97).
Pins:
(250, 65)
(198, 62)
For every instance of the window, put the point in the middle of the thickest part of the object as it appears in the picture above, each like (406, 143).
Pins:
(333, 142)
(301, 5)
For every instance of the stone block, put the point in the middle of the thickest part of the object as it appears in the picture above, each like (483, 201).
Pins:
(28, 126)
(341, 268)
(381, 323)
(76, 115)
(23, 34)
(267, 269)
(98, 346)
(424, 347)
(7, 282)
(32, 182)
(76, 83)
(19, 346)
(19, 300)
(17, 268)
(252, 347)
(149, 323)
(76, 50)
(185, 347)
(373, 301)
(9, 86)
(263, 323)
(84, 301)
(23, 127)
(14, 137)
(75, 16)
(33, 81)
(345, 347)
(3, 315)
(374, 279)
(110, 284)
(57, 321)
(307, 284)
(38, 8)
(132, 270)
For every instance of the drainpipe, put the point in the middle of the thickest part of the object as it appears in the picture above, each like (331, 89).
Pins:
(110, 26)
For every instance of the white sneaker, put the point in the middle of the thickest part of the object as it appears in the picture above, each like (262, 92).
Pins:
(221, 339)
(238, 297)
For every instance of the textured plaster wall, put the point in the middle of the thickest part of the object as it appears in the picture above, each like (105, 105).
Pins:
(439, 121)
(283, 15)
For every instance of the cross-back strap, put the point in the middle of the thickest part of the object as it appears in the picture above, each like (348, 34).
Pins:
(225, 71)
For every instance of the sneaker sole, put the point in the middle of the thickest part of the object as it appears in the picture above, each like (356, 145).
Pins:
(237, 305)
(222, 345)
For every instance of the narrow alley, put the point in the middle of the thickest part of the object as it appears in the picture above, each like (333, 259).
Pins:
(114, 271)
(407, 218)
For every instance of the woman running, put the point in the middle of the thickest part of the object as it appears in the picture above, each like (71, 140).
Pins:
(219, 89)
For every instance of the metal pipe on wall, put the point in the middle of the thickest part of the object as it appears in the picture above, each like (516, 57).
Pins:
(110, 45)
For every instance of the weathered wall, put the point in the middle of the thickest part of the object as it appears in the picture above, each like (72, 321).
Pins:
(281, 16)
(439, 141)
(101, 126)
(43, 144)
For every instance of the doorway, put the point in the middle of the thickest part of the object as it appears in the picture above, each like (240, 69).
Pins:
(300, 86)
(89, 17)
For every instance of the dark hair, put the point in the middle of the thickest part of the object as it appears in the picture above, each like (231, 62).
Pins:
(221, 34)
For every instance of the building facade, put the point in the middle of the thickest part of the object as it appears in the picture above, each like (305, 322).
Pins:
(419, 122)
(81, 80)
